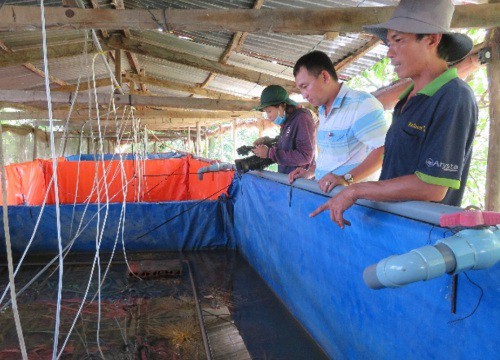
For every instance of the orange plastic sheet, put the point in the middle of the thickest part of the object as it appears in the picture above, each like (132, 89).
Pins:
(165, 180)
(212, 185)
(85, 181)
(32, 181)
(144, 181)
(14, 192)
(48, 173)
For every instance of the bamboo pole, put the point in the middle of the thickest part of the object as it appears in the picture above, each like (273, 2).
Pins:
(492, 201)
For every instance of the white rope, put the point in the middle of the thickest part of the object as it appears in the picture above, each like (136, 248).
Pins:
(56, 190)
(99, 235)
(10, 266)
(96, 188)
(47, 191)
(122, 222)
(66, 249)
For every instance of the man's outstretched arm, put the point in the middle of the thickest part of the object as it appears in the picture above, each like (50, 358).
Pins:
(403, 188)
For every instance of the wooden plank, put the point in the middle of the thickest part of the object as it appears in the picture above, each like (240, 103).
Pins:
(161, 115)
(118, 66)
(291, 21)
(252, 76)
(29, 96)
(84, 85)
(132, 59)
(344, 63)
(53, 52)
(181, 87)
(236, 43)
(95, 5)
(42, 74)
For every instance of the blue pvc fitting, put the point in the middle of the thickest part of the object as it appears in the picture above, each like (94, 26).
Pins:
(468, 249)
(420, 264)
(474, 249)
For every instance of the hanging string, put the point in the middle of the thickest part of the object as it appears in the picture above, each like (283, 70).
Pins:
(13, 297)
(56, 190)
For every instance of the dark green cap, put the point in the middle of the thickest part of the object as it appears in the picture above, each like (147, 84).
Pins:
(274, 95)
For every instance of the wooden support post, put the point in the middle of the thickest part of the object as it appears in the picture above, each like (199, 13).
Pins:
(221, 144)
(80, 144)
(145, 142)
(118, 67)
(206, 141)
(35, 151)
(492, 202)
(189, 140)
(198, 138)
(65, 142)
(261, 127)
(234, 139)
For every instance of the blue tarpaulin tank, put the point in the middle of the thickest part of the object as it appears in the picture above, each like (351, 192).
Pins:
(314, 267)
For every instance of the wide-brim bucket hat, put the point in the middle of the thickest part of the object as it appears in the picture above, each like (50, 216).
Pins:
(426, 17)
(274, 95)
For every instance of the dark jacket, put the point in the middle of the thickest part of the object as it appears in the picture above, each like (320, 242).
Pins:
(296, 142)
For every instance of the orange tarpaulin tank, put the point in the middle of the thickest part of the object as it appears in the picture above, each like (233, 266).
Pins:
(212, 185)
(156, 180)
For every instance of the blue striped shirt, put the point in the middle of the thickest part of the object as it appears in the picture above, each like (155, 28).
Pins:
(353, 128)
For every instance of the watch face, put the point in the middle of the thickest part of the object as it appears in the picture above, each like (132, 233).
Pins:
(348, 177)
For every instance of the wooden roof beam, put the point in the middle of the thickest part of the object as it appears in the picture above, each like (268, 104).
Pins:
(196, 90)
(24, 96)
(291, 21)
(128, 77)
(167, 113)
(252, 76)
(53, 52)
(95, 5)
(132, 58)
(344, 63)
(234, 45)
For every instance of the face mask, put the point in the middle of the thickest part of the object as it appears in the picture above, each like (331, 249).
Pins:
(280, 119)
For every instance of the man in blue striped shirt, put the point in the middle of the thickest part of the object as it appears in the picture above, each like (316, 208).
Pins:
(351, 129)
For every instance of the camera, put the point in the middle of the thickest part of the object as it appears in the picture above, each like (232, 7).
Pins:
(254, 162)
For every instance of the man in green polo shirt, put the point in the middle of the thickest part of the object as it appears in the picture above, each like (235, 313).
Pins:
(429, 144)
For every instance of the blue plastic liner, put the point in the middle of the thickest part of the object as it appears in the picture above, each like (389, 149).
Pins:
(316, 269)
(172, 226)
(106, 157)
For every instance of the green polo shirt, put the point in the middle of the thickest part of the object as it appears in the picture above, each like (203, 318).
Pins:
(432, 135)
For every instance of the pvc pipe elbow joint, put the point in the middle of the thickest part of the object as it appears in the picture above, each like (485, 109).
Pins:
(395, 271)
(469, 249)
(214, 167)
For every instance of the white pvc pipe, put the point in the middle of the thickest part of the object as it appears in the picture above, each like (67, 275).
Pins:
(419, 210)
(467, 250)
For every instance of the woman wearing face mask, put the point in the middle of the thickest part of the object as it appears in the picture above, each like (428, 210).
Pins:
(296, 141)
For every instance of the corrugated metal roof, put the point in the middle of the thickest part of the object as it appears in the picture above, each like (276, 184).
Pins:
(272, 53)
(167, 70)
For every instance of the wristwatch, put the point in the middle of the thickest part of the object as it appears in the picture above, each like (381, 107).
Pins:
(348, 178)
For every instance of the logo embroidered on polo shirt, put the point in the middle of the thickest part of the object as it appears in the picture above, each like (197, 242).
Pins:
(416, 127)
(445, 167)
